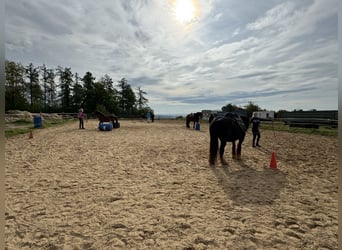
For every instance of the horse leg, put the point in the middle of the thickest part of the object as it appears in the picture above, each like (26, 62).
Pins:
(222, 146)
(239, 147)
(233, 150)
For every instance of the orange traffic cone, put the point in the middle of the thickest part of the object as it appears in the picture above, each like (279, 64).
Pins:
(31, 134)
(273, 163)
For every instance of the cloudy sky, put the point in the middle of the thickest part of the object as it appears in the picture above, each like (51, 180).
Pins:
(188, 56)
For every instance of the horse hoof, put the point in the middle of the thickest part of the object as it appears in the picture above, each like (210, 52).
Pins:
(223, 162)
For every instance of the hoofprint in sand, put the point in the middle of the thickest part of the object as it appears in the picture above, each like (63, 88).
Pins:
(149, 186)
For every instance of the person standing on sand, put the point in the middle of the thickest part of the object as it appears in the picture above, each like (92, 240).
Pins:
(255, 129)
(80, 116)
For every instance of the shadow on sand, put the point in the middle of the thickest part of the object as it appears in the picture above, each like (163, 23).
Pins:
(249, 186)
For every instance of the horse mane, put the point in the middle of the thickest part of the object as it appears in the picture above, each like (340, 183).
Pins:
(242, 120)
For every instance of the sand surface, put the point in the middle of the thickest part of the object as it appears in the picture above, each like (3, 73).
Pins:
(149, 186)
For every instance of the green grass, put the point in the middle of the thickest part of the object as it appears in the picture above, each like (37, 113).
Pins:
(52, 123)
(26, 125)
(21, 122)
(16, 131)
(280, 126)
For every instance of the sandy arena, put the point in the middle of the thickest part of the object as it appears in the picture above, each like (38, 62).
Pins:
(149, 186)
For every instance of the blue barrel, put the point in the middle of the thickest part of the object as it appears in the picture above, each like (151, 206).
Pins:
(197, 126)
(105, 126)
(37, 122)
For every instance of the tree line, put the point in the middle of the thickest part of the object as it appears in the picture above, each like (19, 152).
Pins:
(42, 89)
(249, 108)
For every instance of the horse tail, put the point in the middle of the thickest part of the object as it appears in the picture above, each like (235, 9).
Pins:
(213, 147)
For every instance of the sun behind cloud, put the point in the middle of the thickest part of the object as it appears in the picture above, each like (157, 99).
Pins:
(184, 11)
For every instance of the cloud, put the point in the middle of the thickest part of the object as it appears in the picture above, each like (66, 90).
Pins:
(273, 53)
(275, 16)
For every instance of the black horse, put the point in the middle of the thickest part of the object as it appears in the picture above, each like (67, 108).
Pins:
(193, 118)
(228, 128)
(107, 118)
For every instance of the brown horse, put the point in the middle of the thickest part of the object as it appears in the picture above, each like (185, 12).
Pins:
(107, 118)
(193, 118)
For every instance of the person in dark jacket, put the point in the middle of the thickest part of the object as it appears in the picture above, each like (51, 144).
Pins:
(255, 129)
(211, 117)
